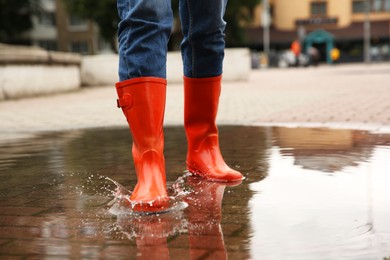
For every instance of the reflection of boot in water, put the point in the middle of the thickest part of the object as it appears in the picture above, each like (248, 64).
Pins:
(152, 248)
(151, 232)
(204, 217)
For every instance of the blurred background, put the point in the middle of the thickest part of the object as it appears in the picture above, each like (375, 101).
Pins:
(327, 31)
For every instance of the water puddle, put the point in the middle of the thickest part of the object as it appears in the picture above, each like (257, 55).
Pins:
(309, 193)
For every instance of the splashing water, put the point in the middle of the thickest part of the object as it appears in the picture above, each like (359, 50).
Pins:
(122, 205)
(136, 224)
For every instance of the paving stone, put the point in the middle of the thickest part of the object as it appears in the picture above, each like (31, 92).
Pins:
(339, 94)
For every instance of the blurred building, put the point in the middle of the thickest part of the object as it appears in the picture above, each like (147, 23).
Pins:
(55, 29)
(325, 24)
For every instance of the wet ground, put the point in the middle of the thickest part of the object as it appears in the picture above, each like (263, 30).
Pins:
(309, 193)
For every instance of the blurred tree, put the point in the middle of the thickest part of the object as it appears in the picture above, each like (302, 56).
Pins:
(15, 18)
(102, 12)
(238, 11)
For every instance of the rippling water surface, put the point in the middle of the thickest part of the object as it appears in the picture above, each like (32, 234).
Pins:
(309, 193)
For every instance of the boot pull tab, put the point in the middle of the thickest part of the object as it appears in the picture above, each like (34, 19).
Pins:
(125, 101)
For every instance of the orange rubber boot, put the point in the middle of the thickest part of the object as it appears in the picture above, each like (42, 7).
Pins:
(143, 103)
(201, 98)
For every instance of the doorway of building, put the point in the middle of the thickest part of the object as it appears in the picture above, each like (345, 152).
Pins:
(321, 48)
(322, 41)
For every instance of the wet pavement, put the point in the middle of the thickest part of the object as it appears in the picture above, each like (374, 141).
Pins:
(343, 96)
(309, 193)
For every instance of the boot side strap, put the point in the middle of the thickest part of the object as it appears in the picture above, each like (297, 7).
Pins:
(125, 101)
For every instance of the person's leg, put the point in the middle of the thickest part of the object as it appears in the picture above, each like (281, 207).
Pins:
(144, 31)
(203, 43)
(203, 52)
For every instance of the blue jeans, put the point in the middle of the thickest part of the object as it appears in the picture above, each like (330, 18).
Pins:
(145, 28)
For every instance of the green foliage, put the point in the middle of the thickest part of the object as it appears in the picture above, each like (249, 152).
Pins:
(15, 18)
(234, 14)
(102, 12)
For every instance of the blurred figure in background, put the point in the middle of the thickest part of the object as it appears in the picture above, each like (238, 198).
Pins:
(335, 55)
(314, 56)
(296, 49)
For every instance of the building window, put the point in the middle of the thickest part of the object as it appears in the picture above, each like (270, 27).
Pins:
(387, 5)
(79, 47)
(380, 5)
(47, 19)
(76, 23)
(376, 5)
(318, 8)
(358, 6)
(271, 11)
